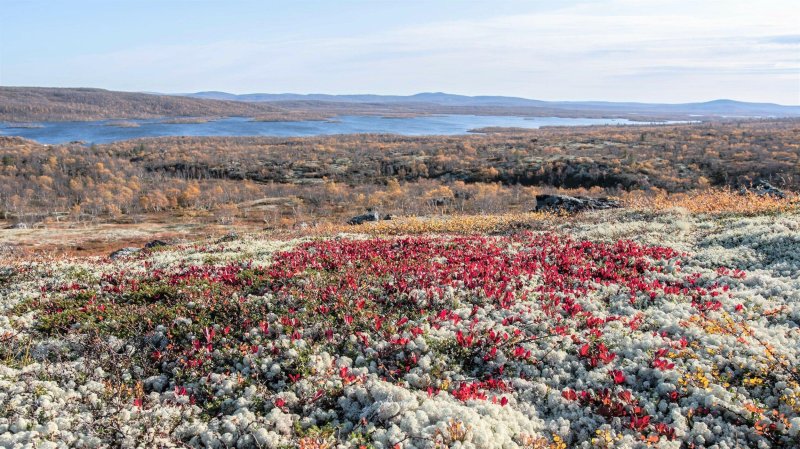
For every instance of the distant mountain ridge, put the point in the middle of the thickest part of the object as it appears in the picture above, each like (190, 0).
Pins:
(30, 104)
(64, 104)
(722, 107)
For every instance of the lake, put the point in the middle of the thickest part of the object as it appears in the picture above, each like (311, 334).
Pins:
(110, 130)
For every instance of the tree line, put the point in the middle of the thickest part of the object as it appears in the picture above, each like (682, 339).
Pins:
(271, 179)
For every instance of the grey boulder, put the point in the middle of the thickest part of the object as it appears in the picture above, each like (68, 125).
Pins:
(369, 216)
(764, 188)
(566, 203)
(124, 252)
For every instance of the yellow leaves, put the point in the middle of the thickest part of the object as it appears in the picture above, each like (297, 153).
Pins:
(702, 380)
(138, 389)
(753, 381)
(558, 443)
(792, 399)
(456, 430)
(684, 354)
(709, 325)
(605, 438)
(698, 379)
(120, 390)
(441, 192)
(710, 201)
(725, 325)
(189, 194)
(533, 442)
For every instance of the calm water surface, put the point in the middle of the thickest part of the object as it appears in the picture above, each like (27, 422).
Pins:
(107, 131)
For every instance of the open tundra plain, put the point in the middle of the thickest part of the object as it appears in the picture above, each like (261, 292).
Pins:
(623, 328)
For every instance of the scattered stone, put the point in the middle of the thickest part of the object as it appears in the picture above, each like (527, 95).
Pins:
(555, 203)
(764, 188)
(229, 237)
(369, 216)
(155, 244)
(124, 252)
(6, 273)
(360, 219)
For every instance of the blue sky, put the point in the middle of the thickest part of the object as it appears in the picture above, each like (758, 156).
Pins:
(620, 50)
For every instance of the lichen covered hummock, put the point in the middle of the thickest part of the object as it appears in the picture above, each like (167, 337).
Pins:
(667, 330)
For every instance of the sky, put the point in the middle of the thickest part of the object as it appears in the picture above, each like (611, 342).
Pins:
(616, 50)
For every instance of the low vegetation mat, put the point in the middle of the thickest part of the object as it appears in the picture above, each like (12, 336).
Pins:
(624, 328)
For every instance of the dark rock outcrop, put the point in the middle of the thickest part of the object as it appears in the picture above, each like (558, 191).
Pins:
(124, 252)
(155, 244)
(363, 218)
(764, 188)
(130, 250)
(367, 217)
(229, 237)
(557, 203)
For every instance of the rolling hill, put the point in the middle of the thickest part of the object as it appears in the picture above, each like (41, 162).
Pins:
(21, 104)
(719, 108)
(64, 104)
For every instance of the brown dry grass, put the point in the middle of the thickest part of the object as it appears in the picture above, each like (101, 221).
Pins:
(712, 201)
(85, 239)
(70, 239)
(446, 224)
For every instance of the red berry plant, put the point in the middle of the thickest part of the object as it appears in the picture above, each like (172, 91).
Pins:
(383, 342)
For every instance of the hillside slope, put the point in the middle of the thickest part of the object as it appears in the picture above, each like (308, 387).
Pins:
(21, 104)
(610, 329)
(59, 104)
(430, 100)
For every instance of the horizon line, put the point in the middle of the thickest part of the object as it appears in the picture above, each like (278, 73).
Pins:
(184, 94)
